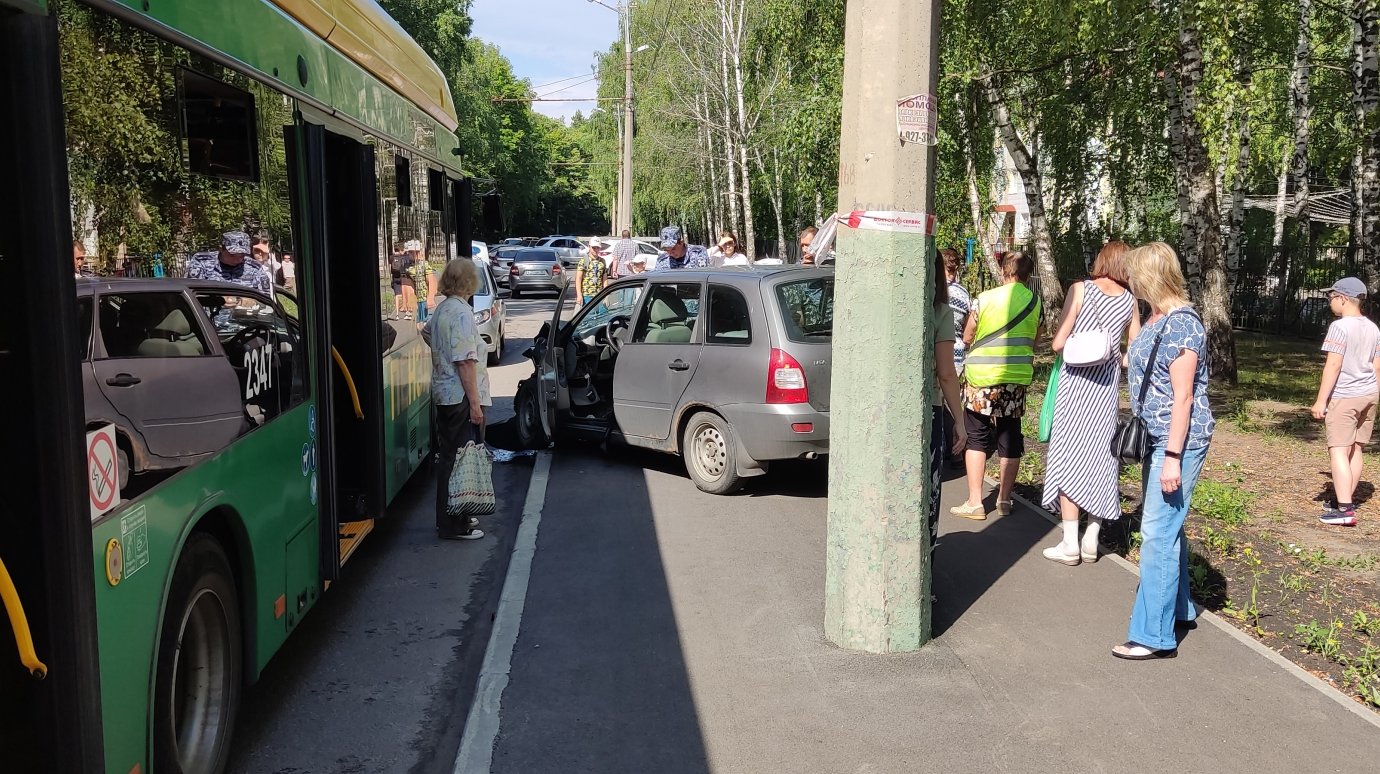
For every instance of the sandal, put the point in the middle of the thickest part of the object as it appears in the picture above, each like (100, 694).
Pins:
(1134, 651)
(1004, 507)
(975, 512)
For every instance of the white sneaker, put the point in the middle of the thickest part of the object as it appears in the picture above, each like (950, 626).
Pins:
(1056, 554)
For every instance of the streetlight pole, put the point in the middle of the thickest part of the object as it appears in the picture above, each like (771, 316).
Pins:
(877, 573)
(625, 190)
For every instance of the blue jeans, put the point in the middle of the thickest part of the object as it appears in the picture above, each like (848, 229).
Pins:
(1162, 596)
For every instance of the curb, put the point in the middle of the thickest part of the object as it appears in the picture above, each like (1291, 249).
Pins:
(476, 752)
(1278, 659)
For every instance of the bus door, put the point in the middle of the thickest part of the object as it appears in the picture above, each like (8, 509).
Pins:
(342, 274)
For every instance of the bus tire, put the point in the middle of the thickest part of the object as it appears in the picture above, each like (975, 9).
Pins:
(200, 663)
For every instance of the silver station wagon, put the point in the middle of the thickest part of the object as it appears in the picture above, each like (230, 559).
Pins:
(728, 368)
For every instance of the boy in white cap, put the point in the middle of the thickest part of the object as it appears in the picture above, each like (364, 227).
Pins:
(1347, 393)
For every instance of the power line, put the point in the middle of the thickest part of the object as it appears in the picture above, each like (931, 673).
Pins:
(563, 80)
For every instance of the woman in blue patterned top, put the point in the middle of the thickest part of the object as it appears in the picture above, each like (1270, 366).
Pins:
(1180, 421)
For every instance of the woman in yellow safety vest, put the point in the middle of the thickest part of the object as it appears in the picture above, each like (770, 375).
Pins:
(1001, 334)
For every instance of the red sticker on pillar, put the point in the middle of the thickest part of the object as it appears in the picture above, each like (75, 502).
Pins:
(917, 119)
(875, 220)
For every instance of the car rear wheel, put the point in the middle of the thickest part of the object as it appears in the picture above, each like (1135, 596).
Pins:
(711, 454)
(199, 663)
(529, 430)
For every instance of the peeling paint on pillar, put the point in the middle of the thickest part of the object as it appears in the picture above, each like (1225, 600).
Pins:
(877, 581)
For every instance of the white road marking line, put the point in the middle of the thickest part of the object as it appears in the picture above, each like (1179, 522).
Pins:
(476, 752)
(1278, 659)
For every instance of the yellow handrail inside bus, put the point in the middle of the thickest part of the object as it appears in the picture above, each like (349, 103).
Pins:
(23, 640)
(349, 382)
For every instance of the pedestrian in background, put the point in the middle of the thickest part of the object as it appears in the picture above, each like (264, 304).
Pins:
(1170, 352)
(1080, 471)
(1001, 334)
(675, 254)
(728, 251)
(459, 386)
(289, 273)
(947, 434)
(622, 256)
(590, 272)
(960, 303)
(1347, 394)
(807, 237)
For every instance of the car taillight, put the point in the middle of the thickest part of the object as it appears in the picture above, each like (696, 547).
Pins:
(786, 380)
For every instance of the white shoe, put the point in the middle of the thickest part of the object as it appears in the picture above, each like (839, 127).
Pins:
(1088, 556)
(975, 512)
(1056, 554)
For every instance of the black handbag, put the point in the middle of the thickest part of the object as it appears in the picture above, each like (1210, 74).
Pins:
(1131, 442)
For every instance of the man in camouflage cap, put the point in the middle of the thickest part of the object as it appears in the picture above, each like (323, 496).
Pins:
(675, 254)
(229, 264)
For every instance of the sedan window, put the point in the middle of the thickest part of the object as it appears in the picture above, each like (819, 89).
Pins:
(669, 314)
(616, 303)
(730, 322)
(262, 347)
(807, 307)
(149, 325)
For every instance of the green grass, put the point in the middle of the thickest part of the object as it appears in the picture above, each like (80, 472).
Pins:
(1225, 504)
(1274, 368)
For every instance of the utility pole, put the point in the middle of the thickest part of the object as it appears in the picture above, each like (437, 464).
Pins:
(618, 199)
(625, 189)
(877, 577)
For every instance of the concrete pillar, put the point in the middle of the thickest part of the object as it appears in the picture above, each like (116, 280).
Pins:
(877, 581)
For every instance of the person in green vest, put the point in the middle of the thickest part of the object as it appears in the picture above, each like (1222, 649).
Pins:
(1001, 334)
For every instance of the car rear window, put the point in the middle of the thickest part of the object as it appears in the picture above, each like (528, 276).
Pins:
(529, 256)
(807, 307)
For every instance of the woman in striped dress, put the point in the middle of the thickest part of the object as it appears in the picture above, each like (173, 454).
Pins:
(1080, 472)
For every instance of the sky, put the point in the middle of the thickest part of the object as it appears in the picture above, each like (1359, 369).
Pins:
(548, 41)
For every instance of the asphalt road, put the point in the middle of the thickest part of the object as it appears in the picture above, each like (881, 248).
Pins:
(379, 676)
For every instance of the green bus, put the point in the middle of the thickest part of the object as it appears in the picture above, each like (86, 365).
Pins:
(223, 422)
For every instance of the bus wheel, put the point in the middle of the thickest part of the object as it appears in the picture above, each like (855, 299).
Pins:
(199, 664)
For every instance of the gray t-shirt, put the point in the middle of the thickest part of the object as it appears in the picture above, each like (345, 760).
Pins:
(1356, 340)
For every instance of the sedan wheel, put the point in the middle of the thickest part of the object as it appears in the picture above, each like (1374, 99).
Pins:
(710, 453)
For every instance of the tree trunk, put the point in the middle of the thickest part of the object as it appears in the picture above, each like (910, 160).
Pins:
(730, 151)
(1178, 154)
(1365, 97)
(1206, 246)
(735, 22)
(1281, 212)
(1051, 292)
(1236, 214)
(779, 201)
(1301, 108)
(974, 197)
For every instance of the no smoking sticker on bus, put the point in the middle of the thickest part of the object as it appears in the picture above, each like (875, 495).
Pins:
(102, 470)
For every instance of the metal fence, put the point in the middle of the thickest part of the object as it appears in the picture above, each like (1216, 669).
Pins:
(1288, 295)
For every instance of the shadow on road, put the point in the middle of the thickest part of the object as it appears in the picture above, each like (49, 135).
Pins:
(599, 680)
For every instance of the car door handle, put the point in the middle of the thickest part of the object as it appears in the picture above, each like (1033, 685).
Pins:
(678, 365)
(123, 380)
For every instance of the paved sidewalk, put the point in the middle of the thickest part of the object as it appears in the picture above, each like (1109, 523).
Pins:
(671, 631)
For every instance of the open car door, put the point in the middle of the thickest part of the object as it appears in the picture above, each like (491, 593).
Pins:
(548, 375)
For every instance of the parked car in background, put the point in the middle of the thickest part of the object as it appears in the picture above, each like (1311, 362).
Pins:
(490, 312)
(536, 269)
(511, 241)
(570, 249)
(729, 368)
(480, 251)
(500, 260)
